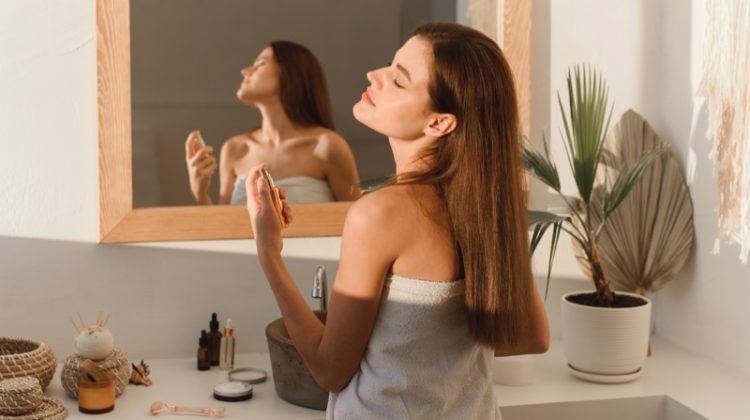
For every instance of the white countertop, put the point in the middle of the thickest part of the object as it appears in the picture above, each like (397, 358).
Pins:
(702, 385)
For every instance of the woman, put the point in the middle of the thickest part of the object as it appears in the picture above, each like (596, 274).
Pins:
(434, 276)
(296, 140)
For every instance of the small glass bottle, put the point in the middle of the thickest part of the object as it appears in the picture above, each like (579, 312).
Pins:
(214, 340)
(204, 363)
(226, 349)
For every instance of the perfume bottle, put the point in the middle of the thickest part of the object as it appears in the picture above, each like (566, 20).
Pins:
(204, 363)
(226, 349)
(214, 340)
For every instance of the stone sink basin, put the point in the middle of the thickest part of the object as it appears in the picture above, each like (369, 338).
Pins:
(292, 379)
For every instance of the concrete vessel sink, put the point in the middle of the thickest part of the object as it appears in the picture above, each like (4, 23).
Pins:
(292, 379)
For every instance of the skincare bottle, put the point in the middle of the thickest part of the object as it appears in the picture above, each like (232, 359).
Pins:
(214, 340)
(226, 349)
(204, 363)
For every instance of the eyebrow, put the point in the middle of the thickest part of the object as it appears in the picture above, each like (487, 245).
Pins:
(403, 70)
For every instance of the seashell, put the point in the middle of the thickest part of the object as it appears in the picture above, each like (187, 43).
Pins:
(139, 375)
(95, 342)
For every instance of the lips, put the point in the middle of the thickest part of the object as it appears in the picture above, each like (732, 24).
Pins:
(367, 98)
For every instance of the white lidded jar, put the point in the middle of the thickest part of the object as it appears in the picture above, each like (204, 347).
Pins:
(95, 342)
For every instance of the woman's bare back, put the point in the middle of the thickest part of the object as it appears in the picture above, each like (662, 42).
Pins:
(428, 250)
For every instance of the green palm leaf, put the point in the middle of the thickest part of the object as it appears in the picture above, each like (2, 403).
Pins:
(585, 127)
(542, 220)
(541, 165)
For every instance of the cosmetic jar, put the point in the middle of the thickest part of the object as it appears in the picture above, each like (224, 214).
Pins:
(96, 389)
(233, 391)
(248, 375)
(95, 397)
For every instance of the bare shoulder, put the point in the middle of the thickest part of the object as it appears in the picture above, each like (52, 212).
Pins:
(386, 209)
(237, 146)
(374, 220)
(331, 143)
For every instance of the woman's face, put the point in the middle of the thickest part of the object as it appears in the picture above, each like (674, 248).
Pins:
(261, 80)
(397, 102)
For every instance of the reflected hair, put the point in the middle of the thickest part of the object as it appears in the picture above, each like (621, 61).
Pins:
(303, 88)
(478, 172)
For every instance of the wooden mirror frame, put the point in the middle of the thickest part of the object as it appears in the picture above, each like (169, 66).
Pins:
(119, 222)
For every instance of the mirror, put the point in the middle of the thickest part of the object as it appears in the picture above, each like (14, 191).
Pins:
(125, 219)
(185, 72)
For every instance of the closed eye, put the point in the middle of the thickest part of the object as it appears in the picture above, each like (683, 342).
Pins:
(395, 80)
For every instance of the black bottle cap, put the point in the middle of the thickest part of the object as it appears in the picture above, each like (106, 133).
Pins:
(203, 341)
(214, 324)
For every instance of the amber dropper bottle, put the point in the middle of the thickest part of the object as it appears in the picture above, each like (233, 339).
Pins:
(204, 363)
(214, 340)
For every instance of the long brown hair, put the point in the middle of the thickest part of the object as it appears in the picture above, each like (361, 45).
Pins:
(477, 170)
(304, 91)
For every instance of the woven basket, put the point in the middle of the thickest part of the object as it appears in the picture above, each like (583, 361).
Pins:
(22, 357)
(48, 409)
(19, 396)
(116, 364)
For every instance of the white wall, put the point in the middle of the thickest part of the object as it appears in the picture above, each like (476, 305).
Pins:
(706, 310)
(159, 299)
(650, 54)
(50, 265)
(48, 163)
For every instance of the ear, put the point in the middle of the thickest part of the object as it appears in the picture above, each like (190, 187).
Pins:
(439, 125)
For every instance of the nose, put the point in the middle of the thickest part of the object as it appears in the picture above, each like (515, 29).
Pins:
(246, 71)
(373, 76)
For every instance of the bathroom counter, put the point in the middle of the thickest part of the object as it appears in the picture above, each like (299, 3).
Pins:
(700, 384)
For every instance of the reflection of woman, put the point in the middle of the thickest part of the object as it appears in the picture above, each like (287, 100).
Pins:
(434, 277)
(296, 140)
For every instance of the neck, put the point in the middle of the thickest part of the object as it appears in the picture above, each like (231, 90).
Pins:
(407, 154)
(276, 124)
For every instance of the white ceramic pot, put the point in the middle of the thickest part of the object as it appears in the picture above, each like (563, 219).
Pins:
(606, 341)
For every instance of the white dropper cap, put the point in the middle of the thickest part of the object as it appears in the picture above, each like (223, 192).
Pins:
(228, 330)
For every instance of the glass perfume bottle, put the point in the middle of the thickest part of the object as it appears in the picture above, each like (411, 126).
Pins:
(226, 349)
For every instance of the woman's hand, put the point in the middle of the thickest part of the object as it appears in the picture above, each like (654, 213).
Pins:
(264, 218)
(201, 165)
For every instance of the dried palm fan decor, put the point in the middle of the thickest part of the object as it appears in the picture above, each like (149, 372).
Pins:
(726, 86)
(645, 242)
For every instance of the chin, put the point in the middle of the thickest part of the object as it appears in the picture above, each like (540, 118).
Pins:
(245, 98)
(359, 110)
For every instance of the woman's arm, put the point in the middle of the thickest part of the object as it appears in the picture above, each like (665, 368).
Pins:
(333, 351)
(201, 166)
(535, 338)
(340, 168)
(227, 176)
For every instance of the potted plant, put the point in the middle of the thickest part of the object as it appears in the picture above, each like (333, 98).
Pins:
(605, 334)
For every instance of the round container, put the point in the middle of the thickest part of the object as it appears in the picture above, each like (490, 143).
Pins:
(116, 364)
(233, 391)
(609, 342)
(22, 357)
(19, 396)
(95, 398)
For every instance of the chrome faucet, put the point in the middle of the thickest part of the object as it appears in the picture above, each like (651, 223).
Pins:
(320, 287)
